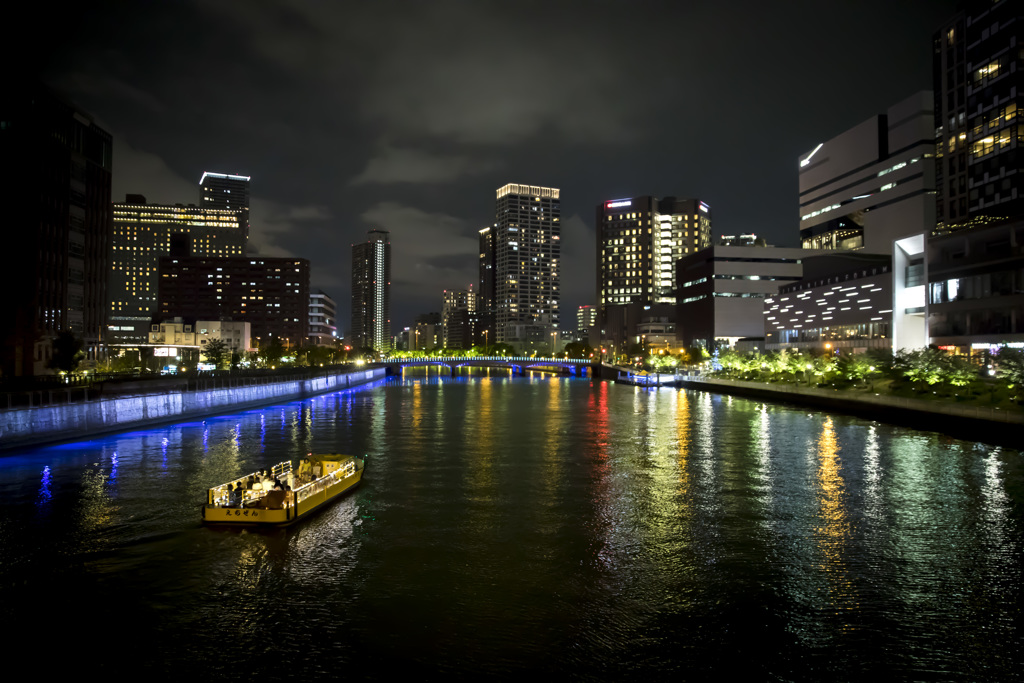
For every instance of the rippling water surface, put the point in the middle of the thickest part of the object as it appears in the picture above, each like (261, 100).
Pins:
(509, 526)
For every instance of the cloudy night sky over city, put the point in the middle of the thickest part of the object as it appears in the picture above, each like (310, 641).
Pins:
(406, 116)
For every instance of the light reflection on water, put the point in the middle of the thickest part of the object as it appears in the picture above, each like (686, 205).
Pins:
(509, 525)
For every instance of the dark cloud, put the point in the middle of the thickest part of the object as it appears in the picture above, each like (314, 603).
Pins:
(407, 116)
(394, 165)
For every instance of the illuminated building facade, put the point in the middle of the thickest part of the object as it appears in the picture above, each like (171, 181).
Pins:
(272, 294)
(142, 233)
(640, 240)
(872, 184)
(226, 192)
(844, 301)
(978, 79)
(371, 292)
(527, 266)
(55, 180)
(323, 319)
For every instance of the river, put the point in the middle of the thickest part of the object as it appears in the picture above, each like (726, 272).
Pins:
(510, 526)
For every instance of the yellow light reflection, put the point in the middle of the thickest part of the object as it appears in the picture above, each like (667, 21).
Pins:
(833, 529)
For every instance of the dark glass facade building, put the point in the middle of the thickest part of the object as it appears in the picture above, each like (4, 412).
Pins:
(55, 183)
(978, 72)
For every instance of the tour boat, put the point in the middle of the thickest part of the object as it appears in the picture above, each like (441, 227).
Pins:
(318, 480)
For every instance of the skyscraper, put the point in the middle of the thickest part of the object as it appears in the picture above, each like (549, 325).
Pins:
(142, 233)
(978, 83)
(226, 192)
(55, 180)
(640, 239)
(527, 253)
(371, 292)
(485, 297)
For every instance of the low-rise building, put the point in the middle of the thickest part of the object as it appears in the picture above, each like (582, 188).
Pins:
(722, 290)
(843, 303)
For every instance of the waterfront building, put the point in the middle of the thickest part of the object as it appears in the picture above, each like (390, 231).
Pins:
(371, 292)
(323, 317)
(873, 183)
(272, 294)
(979, 82)
(226, 192)
(141, 234)
(976, 287)
(640, 241)
(722, 291)
(527, 266)
(843, 303)
(55, 180)
(178, 341)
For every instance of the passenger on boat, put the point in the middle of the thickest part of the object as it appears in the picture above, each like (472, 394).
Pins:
(235, 496)
(274, 500)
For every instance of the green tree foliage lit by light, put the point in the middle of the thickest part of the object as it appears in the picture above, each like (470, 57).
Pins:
(216, 352)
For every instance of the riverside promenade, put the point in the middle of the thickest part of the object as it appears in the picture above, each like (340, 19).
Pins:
(134, 405)
(971, 422)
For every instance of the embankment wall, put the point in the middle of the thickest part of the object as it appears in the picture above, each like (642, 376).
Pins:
(66, 422)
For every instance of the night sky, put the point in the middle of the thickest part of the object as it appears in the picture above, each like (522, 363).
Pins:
(407, 116)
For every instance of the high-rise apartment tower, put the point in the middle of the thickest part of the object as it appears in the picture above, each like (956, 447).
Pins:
(371, 292)
(527, 254)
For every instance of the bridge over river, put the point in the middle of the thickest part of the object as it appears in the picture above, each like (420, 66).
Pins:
(519, 365)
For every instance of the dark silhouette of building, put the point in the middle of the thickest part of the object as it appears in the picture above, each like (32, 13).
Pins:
(485, 297)
(978, 75)
(272, 294)
(55, 188)
(371, 292)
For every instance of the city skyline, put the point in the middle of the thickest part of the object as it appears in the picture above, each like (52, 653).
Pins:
(420, 136)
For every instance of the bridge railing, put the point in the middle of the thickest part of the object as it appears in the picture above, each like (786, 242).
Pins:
(498, 359)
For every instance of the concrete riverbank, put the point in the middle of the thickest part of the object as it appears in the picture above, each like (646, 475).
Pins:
(22, 427)
(975, 423)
